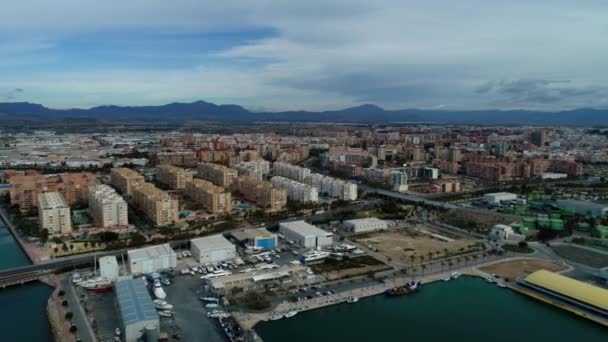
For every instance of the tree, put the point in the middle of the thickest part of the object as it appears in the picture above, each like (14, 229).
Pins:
(136, 239)
(61, 293)
(73, 329)
(523, 244)
(69, 315)
(64, 303)
(64, 247)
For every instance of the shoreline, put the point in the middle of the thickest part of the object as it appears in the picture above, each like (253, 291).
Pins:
(249, 320)
(55, 313)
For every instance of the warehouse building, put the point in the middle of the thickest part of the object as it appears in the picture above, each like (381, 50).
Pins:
(498, 197)
(304, 234)
(584, 207)
(257, 238)
(210, 249)
(152, 259)
(582, 296)
(136, 309)
(365, 225)
(108, 267)
(255, 280)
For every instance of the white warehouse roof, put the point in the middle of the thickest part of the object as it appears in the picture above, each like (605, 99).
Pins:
(150, 252)
(212, 242)
(366, 221)
(303, 228)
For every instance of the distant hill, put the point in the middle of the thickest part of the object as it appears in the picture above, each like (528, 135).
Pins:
(368, 113)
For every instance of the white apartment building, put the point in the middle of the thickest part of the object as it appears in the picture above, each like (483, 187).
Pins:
(296, 191)
(54, 213)
(106, 207)
(333, 187)
(296, 173)
(256, 169)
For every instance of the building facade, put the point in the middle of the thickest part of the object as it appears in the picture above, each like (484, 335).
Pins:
(125, 180)
(217, 174)
(157, 205)
(263, 194)
(174, 177)
(107, 208)
(54, 213)
(213, 198)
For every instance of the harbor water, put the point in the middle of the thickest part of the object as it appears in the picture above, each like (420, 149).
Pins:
(466, 309)
(23, 313)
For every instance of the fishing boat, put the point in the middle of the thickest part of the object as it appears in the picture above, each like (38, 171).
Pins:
(211, 306)
(456, 275)
(407, 289)
(447, 279)
(352, 300)
(490, 280)
(291, 313)
(218, 314)
(158, 290)
(499, 284)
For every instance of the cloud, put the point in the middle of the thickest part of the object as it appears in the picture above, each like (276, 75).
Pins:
(307, 54)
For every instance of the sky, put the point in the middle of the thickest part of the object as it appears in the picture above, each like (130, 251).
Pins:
(315, 54)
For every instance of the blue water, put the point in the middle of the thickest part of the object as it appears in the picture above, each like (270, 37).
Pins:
(23, 310)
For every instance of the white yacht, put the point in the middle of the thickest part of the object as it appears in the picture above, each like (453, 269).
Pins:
(313, 256)
(158, 290)
(291, 313)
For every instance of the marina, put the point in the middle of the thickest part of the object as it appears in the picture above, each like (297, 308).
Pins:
(440, 311)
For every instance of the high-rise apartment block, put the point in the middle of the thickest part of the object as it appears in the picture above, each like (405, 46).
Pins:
(255, 169)
(157, 205)
(107, 208)
(261, 193)
(296, 173)
(74, 187)
(174, 177)
(54, 213)
(333, 187)
(213, 198)
(296, 191)
(180, 158)
(218, 174)
(125, 180)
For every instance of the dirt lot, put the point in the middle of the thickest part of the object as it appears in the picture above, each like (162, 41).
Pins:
(582, 255)
(401, 245)
(348, 268)
(514, 269)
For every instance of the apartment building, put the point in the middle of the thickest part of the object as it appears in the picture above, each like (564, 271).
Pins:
(54, 213)
(107, 207)
(180, 158)
(296, 173)
(263, 194)
(157, 205)
(217, 174)
(213, 198)
(174, 177)
(296, 191)
(256, 169)
(333, 187)
(74, 187)
(125, 180)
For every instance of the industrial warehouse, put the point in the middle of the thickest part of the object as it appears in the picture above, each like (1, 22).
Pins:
(152, 259)
(579, 295)
(256, 238)
(305, 235)
(212, 248)
(137, 313)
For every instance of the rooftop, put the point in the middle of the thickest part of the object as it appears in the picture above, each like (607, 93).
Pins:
(303, 228)
(212, 242)
(583, 292)
(134, 301)
(150, 252)
(247, 234)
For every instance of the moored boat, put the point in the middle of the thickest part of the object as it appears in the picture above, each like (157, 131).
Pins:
(407, 289)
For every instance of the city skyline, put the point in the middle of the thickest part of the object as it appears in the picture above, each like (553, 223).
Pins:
(269, 56)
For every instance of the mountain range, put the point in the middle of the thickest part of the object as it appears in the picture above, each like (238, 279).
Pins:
(368, 113)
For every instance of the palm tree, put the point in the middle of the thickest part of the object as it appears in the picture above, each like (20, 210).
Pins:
(423, 268)
(421, 257)
(412, 259)
(445, 252)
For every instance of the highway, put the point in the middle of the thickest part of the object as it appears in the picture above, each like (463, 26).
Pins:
(408, 198)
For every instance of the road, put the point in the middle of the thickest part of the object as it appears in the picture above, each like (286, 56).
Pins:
(408, 198)
(85, 332)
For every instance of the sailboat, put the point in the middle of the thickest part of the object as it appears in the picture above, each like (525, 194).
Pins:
(97, 284)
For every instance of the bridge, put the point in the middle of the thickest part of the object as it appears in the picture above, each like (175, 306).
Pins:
(22, 278)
